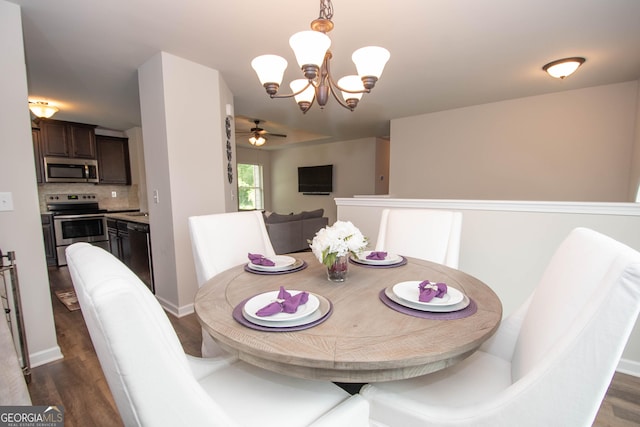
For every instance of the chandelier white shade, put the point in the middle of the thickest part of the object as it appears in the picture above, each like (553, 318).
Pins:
(354, 85)
(305, 91)
(42, 109)
(311, 49)
(563, 67)
(270, 68)
(370, 60)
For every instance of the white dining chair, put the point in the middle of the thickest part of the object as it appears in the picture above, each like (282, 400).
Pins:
(549, 363)
(154, 383)
(221, 241)
(429, 234)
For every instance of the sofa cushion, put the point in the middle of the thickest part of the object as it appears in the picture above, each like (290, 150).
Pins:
(276, 218)
(290, 233)
(312, 214)
(285, 236)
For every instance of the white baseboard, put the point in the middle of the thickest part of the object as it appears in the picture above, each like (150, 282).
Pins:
(175, 310)
(45, 356)
(629, 367)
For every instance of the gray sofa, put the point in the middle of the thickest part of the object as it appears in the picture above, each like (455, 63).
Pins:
(289, 233)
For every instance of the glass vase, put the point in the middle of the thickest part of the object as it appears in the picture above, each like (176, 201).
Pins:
(339, 269)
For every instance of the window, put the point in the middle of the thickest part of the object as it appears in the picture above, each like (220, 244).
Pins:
(250, 190)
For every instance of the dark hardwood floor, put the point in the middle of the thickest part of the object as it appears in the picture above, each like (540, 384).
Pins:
(77, 383)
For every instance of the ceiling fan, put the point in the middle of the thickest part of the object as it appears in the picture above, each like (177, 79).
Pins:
(258, 136)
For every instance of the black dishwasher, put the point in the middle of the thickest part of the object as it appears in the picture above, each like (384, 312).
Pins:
(140, 256)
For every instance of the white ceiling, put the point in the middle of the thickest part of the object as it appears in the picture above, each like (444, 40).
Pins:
(83, 54)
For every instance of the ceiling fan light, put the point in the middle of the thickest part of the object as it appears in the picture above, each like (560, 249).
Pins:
(563, 67)
(353, 83)
(370, 60)
(42, 109)
(269, 68)
(310, 47)
(257, 140)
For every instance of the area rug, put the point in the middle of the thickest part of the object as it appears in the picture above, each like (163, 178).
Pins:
(69, 299)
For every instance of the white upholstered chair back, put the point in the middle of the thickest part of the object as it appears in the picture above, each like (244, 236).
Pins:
(586, 294)
(221, 241)
(550, 362)
(154, 383)
(139, 352)
(429, 234)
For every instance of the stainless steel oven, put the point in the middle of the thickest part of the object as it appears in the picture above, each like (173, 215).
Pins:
(76, 218)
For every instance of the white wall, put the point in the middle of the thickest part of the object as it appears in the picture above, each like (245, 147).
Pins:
(507, 245)
(634, 186)
(572, 145)
(185, 161)
(20, 228)
(353, 173)
(138, 172)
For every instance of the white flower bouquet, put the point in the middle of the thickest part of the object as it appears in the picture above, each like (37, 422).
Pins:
(340, 239)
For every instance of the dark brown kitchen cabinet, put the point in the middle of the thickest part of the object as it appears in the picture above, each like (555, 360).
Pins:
(119, 244)
(67, 139)
(130, 242)
(37, 155)
(49, 239)
(113, 160)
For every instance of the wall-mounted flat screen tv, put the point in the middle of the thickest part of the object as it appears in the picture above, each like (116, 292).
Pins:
(315, 179)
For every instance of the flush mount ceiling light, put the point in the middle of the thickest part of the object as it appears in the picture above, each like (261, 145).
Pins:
(563, 67)
(42, 109)
(311, 49)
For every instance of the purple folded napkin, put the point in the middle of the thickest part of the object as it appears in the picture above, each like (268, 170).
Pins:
(259, 259)
(429, 290)
(285, 303)
(377, 255)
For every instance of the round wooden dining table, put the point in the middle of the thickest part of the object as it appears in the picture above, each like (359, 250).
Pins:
(362, 339)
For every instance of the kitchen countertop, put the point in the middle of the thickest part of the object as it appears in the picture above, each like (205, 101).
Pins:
(139, 217)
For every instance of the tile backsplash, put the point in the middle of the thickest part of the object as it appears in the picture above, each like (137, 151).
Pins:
(126, 195)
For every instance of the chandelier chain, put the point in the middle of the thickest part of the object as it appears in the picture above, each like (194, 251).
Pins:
(326, 9)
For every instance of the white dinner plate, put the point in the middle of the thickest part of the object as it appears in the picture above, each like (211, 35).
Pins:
(262, 300)
(388, 260)
(434, 309)
(282, 262)
(409, 291)
(322, 310)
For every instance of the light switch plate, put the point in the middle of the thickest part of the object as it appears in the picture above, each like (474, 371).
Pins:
(6, 201)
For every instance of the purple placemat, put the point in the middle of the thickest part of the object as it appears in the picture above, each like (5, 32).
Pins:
(397, 264)
(453, 315)
(269, 273)
(239, 317)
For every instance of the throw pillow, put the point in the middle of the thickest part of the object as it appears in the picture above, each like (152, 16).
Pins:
(276, 218)
(313, 214)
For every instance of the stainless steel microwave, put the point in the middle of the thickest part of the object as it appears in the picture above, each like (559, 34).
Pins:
(63, 169)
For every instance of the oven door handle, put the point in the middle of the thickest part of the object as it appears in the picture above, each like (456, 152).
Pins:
(76, 216)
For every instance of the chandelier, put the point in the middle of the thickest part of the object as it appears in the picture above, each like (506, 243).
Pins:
(311, 49)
